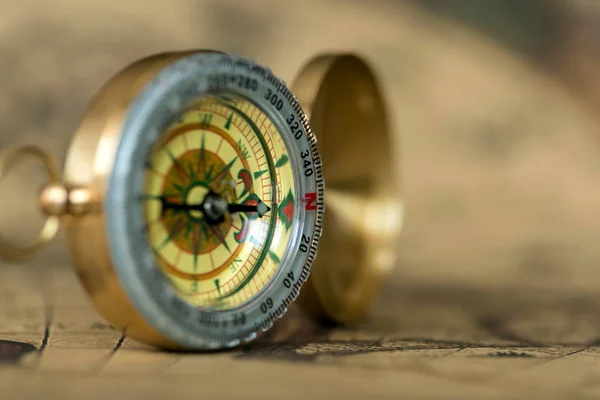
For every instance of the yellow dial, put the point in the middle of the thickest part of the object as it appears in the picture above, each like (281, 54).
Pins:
(219, 206)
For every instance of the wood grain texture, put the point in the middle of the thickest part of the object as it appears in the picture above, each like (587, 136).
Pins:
(496, 294)
(427, 354)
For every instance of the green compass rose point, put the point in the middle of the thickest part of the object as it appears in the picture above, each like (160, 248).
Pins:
(228, 122)
(282, 161)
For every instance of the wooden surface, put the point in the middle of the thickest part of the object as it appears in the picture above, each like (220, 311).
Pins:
(496, 294)
(419, 355)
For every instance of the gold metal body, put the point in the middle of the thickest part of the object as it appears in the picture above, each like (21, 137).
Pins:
(89, 164)
(363, 207)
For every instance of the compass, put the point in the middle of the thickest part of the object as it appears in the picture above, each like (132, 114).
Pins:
(193, 200)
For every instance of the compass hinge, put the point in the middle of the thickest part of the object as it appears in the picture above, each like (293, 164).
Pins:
(58, 199)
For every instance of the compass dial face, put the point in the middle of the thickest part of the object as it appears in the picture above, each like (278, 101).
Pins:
(219, 201)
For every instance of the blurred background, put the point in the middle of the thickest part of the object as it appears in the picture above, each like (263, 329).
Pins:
(494, 106)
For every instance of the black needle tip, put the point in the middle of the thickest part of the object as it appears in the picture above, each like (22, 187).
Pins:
(260, 208)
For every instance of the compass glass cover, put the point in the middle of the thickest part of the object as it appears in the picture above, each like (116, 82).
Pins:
(219, 206)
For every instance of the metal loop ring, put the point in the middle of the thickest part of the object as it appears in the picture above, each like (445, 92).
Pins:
(8, 160)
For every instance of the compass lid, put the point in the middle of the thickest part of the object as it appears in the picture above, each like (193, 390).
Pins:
(364, 207)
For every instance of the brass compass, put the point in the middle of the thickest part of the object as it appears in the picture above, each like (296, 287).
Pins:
(193, 197)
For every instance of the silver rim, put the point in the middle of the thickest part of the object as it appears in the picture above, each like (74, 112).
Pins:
(150, 292)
